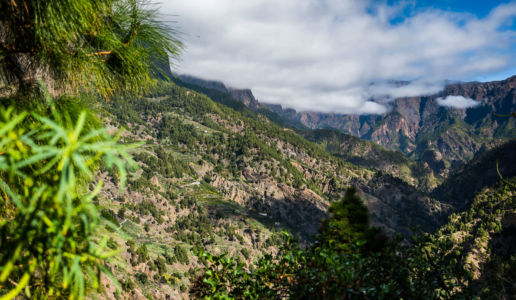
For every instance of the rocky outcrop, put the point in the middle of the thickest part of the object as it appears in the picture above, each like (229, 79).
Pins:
(242, 95)
(246, 97)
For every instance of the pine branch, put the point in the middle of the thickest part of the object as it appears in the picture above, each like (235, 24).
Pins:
(100, 53)
(128, 41)
(132, 36)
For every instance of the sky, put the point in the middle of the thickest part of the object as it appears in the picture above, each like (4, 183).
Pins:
(344, 56)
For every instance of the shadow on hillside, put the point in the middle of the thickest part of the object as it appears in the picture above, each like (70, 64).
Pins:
(460, 189)
(499, 273)
(299, 216)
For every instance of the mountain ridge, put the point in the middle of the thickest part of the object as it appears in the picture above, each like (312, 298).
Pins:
(442, 138)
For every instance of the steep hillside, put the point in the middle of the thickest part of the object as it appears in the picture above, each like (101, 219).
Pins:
(371, 155)
(215, 179)
(349, 148)
(482, 238)
(460, 189)
(242, 100)
(244, 96)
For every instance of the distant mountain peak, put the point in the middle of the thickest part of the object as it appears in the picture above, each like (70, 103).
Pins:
(243, 95)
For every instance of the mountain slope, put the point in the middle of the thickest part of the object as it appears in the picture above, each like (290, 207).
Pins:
(217, 179)
(371, 155)
(443, 138)
(216, 176)
(460, 189)
(483, 239)
(238, 99)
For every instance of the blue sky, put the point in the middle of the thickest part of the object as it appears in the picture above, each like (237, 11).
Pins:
(480, 8)
(324, 55)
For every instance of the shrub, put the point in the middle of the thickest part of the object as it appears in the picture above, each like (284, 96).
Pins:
(181, 255)
(143, 254)
(142, 278)
(128, 285)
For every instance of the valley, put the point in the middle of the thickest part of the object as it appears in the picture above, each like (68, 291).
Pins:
(217, 176)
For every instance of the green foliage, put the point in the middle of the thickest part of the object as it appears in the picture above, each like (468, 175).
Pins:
(110, 216)
(48, 220)
(143, 254)
(348, 223)
(181, 254)
(360, 263)
(160, 264)
(98, 46)
(128, 285)
(142, 278)
(111, 243)
(164, 163)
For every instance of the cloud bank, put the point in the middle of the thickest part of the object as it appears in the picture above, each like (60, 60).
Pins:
(457, 102)
(337, 55)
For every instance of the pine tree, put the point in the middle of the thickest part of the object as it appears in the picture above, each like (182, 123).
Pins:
(94, 46)
(348, 222)
(55, 55)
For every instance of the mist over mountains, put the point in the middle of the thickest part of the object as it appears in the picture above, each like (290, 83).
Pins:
(324, 55)
(445, 129)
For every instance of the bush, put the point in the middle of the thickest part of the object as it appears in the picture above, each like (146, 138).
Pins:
(128, 285)
(143, 254)
(181, 255)
(142, 278)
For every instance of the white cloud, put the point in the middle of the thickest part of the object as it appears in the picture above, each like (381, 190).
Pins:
(323, 55)
(393, 90)
(457, 102)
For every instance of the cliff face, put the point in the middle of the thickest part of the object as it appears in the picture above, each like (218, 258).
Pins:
(244, 96)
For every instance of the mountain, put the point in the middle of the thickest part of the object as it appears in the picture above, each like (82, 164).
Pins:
(243, 95)
(218, 177)
(445, 138)
(241, 100)
(221, 177)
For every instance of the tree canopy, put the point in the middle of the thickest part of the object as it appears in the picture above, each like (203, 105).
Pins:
(94, 46)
